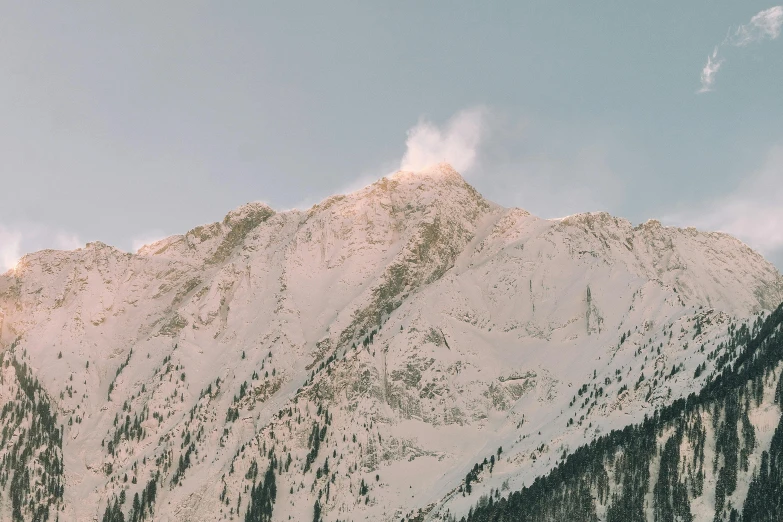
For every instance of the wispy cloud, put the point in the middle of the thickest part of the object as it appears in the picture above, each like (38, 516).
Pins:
(752, 212)
(765, 25)
(17, 240)
(710, 70)
(456, 142)
(10, 248)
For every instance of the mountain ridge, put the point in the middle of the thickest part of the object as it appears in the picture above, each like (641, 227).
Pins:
(419, 315)
(251, 210)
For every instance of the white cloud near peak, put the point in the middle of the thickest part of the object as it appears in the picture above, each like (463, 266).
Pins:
(17, 240)
(764, 25)
(457, 142)
(10, 248)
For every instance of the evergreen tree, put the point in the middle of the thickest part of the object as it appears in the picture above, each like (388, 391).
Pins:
(262, 496)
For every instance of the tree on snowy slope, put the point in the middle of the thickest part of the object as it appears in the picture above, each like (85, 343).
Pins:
(262, 497)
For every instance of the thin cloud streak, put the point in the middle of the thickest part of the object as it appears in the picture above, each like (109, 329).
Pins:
(710, 70)
(764, 25)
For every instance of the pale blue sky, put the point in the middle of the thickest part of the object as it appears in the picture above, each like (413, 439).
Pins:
(127, 122)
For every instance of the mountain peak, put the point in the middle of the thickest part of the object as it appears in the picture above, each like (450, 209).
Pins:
(434, 180)
(253, 211)
(436, 170)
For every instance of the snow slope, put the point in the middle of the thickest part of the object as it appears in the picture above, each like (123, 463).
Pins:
(421, 326)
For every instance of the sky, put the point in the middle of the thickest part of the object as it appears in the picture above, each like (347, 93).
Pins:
(126, 122)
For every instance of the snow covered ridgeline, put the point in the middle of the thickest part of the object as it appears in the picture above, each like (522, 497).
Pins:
(410, 328)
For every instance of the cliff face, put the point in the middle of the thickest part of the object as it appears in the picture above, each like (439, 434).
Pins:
(414, 324)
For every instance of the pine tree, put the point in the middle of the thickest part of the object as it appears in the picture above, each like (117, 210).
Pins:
(262, 496)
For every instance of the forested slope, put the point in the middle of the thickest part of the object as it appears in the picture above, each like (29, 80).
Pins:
(717, 455)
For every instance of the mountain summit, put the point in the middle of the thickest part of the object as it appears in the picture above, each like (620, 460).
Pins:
(353, 361)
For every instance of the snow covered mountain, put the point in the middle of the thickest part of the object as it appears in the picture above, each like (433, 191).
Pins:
(354, 361)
